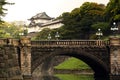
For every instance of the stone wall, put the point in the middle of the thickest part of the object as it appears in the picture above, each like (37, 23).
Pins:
(59, 59)
(9, 65)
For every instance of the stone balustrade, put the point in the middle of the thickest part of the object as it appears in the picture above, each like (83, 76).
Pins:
(3, 41)
(9, 41)
(69, 42)
(17, 42)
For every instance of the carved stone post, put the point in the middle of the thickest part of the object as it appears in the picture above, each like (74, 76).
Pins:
(25, 56)
(115, 58)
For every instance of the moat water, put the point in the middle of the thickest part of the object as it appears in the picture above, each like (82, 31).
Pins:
(68, 77)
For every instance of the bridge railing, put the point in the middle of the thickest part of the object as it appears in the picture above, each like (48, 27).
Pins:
(9, 41)
(3, 41)
(68, 42)
(57, 42)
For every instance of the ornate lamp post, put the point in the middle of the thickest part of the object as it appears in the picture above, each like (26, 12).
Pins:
(114, 28)
(25, 30)
(99, 33)
(114, 51)
(49, 37)
(21, 34)
(57, 35)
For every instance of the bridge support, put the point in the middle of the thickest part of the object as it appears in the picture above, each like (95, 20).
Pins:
(114, 58)
(25, 56)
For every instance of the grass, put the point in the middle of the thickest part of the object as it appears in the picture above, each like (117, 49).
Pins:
(73, 63)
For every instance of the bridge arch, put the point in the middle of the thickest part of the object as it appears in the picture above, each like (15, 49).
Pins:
(99, 67)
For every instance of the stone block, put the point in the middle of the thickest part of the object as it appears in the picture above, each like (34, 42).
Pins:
(2, 78)
(27, 77)
(1, 59)
(5, 56)
(2, 65)
(1, 55)
(10, 56)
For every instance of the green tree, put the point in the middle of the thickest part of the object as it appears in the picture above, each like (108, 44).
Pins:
(10, 30)
(43, 35)
(46, 32)
(113, 11)
(104, 26)
(77, 23)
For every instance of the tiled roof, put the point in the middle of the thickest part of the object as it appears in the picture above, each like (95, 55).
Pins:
(42, 15)
(51, 22)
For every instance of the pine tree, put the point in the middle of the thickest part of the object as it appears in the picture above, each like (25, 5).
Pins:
(2, 9)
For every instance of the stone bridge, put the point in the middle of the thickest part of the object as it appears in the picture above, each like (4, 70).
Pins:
(94, 53)
(24, 57)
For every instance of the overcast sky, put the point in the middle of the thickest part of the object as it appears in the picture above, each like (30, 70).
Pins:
(25, 9)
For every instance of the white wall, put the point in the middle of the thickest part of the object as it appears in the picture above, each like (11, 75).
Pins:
(50, 24)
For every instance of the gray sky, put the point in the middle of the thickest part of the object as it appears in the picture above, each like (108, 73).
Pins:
(25, 9)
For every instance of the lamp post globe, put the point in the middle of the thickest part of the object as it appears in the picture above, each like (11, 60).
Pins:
(49, 37)
(99, 34)
(57, 35)
(114, 28)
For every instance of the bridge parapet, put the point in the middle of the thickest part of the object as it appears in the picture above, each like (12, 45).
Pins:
(9, 41)
(69, 42)
(3, 41)
(115, 41)
(25, 41)
(14, 42)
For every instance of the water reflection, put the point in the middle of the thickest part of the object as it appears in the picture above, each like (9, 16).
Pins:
(68, 77)
(74, 77)
(46, 78)
(100, 78)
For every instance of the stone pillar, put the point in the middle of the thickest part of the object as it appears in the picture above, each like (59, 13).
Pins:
(114, 58)
(25, 56)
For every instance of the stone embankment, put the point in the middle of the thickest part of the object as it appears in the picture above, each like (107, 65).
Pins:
(9, 66)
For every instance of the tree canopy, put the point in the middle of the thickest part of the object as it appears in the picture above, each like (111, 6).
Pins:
(113, 11)
(78, 22)
(10, 30)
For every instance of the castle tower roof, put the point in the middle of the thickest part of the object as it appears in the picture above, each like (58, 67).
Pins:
(42, 15)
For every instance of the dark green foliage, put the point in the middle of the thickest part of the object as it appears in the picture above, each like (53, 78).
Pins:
(77, 23)
(43, 34)
(2, 3)
(104, 26)
(113, 11)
